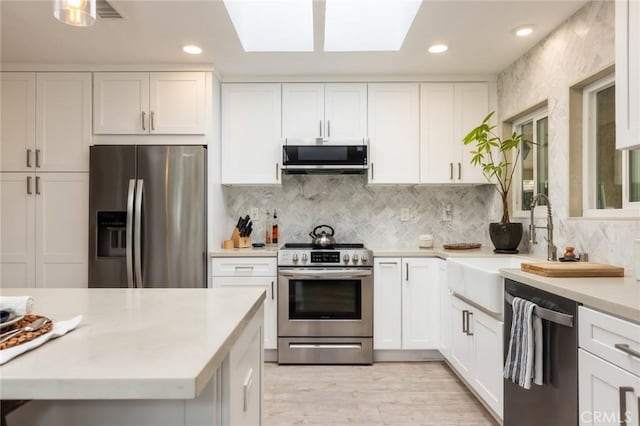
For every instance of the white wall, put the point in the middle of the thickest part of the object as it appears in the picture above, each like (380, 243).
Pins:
(576, 50)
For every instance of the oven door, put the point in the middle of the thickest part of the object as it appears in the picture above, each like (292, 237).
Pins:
(318, 302)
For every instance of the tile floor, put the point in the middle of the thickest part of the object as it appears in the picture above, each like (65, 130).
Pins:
(394, 394)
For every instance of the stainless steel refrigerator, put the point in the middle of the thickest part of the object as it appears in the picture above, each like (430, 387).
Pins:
(148, 216)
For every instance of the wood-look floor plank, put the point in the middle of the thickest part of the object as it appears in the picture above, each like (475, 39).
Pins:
(393, 394)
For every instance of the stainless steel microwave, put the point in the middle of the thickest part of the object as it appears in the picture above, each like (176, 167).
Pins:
(325, 158)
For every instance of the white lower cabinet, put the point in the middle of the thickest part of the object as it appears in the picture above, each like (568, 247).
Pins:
(406, 303)
(608, 394)
(476, 351)
(445, 311)
(239, 272)
(608, 369)
(44, 229)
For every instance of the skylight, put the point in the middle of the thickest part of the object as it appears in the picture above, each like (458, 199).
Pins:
(368, 25)
(273, 25)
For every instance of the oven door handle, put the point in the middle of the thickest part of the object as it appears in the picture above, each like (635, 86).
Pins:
(325, 273)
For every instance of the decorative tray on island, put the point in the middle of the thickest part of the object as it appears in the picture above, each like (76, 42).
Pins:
(462, 246)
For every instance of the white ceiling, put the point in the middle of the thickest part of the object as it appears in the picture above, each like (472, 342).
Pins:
(152, 32)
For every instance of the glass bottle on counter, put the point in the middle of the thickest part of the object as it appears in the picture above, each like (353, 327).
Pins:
(274, 228)
(267, 229)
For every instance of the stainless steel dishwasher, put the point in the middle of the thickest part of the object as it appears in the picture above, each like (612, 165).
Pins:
(555, 403)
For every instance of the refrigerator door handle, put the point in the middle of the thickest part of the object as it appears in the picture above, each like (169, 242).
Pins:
(129, 241)
(137, 228)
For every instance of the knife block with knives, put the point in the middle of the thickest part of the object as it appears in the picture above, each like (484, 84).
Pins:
(241, 235)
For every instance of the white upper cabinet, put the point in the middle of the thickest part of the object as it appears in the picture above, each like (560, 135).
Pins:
(448, 111)
(627, 74)
(63, 122)
(471, 107)
(251, 133)
(437, 133)
(18, 121)
(149, 103)
(393, 122)
(332, 112)
(46, 122)
(303, 111)
(120, 102)
(345, 111)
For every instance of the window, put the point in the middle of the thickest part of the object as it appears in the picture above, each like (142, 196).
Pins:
(531, 176)
(611, 178)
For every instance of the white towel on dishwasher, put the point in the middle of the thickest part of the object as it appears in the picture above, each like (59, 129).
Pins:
(524, 362)
(19, 305)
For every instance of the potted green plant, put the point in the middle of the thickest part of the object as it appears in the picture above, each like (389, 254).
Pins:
(494, 155)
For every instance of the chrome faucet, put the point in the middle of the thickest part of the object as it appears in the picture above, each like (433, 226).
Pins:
(552, 250)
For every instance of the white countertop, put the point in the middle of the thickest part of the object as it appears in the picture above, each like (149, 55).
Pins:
(131, 344)
(271, 251)
(377, 252)
(616, 296)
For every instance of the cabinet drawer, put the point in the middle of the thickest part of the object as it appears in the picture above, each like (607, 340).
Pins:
(243, 267)
(599, 333)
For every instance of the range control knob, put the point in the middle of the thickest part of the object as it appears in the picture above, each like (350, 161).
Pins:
(365, 258)
(304, 257)
(354, 257)
(345, 258)
(294, 257)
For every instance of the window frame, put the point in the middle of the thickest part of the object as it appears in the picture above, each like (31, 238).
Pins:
(629, 209)
(516, 184)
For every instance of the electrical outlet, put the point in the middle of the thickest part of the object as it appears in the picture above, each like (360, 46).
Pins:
(255, 214)
(447, 213)
(404, 215)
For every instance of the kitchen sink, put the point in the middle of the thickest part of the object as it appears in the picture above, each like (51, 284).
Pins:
(478, 279)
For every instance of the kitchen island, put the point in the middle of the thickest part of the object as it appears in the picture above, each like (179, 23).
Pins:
(142, 357)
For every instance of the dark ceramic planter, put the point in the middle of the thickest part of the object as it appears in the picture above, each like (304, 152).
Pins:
(505, 236)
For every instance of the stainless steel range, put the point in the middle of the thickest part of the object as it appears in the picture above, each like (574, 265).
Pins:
(325, 304)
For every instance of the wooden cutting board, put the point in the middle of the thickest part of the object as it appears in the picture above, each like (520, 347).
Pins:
(573, 269)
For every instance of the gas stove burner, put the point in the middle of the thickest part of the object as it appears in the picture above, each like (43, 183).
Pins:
(309, 246)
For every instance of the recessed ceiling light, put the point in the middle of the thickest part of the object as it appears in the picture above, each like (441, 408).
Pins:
(192, 50)
(273, 25)
(438, 48)
(367, 25)
(523, 30)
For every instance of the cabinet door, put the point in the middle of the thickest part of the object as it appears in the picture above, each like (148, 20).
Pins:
(62, 223)
(437, 129)
(445, 310)
(120, 103)
(17, 240)
(461, 343)
(420, 304)
(393, 120)
(487, 339)
(17, 121)
(63, 122)
(627, 27)
(251, 130)
(387, 303)
(471, 105)
(345, 111)
(177, 102)
(303, 112)
(605, 391)
(269, 284)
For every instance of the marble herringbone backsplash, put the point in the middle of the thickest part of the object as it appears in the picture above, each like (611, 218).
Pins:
(369, 214)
